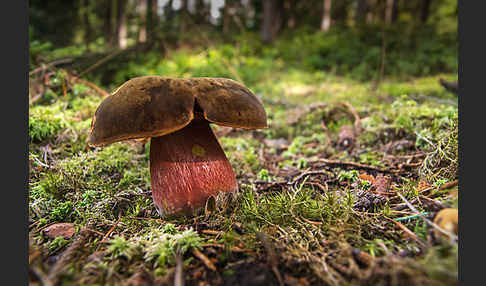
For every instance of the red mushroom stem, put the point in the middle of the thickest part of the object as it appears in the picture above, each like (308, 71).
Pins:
(187, 167)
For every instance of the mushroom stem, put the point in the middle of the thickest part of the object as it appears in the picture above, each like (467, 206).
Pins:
(187, 168)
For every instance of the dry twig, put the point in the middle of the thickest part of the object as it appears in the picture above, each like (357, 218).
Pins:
(204, 259)
(445, 232)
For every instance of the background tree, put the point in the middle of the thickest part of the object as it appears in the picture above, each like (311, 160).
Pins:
(272, 19)
(121, 24)
(326, 15)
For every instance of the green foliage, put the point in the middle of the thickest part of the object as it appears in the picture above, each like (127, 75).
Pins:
(52, 183)
(163, 248)
(358, 52)
(352, 176)
(45, 123)
(442, 163)
(120, 247)
(282, 207)
(62, 211)
(56, 244)
(242, 153)
(296, 147)
(264, 175)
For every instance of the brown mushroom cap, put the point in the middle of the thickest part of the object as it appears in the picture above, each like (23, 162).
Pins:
(152, 106)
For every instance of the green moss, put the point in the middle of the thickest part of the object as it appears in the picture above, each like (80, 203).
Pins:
(442, 163)
(352, 176)
(62, 212)
(56, 244)
(44, 124)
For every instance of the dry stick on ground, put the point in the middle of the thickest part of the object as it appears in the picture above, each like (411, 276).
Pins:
(409, 233)
(210, 231)
(147, 218)
(445, 232)
(96, 88)
(204, 259)
(357, 165)
(43, 67)
(449, 185)
(110, 231)
(308, 173)
(105, 59)
(232, 249)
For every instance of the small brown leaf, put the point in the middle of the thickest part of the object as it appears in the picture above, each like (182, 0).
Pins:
(366, 177)
(422, 185)
(382, 184)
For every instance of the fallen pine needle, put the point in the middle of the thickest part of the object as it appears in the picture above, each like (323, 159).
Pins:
(449, 185)
(410, 217)
(210, 231)
(409, 232)
(110, 231)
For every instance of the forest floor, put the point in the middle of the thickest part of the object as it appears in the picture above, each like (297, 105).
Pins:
(339, 190)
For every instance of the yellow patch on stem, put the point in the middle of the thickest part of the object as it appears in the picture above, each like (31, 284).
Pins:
(198, 151)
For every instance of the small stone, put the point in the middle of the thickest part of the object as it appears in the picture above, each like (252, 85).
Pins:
(65, 230)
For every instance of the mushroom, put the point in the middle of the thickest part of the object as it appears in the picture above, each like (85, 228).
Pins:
(189, 169)
(447, 219)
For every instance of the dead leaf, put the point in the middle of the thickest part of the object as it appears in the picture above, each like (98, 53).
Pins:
(366, 177)
(382, 184)
(63, 229)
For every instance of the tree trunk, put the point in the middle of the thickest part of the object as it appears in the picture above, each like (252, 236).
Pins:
(150, 19)
(361, 11)
(142, 28)
(88, 36)
(395, 11)
(122, 24)
(272, 20)
(290, 14)
(114, 22)
(326, 15)
(388, 11)
(424, 13)
(370, 14)
(184, 15)
(201, 12)
(226, 18)
(107, 26)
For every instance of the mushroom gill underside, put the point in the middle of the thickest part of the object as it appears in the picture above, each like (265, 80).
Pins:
(188, 169)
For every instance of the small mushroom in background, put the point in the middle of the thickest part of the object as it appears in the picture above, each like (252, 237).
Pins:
(447, 219)
(188, 167)
(347, 137)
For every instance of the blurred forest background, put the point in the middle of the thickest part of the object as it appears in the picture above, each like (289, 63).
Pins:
(112, 41)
